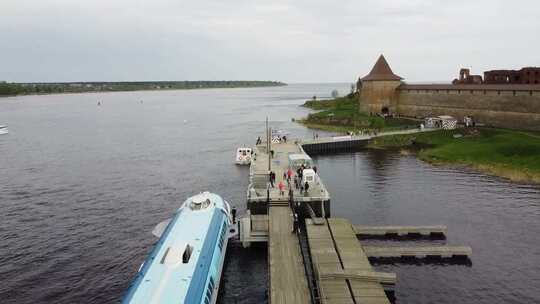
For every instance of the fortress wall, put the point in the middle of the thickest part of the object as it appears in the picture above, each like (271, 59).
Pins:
(517, 109)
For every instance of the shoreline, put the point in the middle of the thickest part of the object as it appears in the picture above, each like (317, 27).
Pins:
(437, 154)
(500, 171)
(510, 154)
(143, 89)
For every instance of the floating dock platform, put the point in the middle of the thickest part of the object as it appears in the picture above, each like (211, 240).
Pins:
(438, 230)
(313, 258)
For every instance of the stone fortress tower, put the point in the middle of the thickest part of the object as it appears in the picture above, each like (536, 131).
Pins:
(378, 93)
(513, 102)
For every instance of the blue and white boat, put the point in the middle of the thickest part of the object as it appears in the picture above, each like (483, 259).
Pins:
(186, 263)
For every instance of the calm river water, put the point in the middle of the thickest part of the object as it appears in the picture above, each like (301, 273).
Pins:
(82, 186)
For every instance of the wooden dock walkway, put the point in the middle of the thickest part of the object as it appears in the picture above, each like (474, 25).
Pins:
(271, 212)
(328, 264)
(344, 274)
(288, 282)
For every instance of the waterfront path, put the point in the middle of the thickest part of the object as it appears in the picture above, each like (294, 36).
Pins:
(363, 137)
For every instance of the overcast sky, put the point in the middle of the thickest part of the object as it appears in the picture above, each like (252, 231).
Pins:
(291, 41)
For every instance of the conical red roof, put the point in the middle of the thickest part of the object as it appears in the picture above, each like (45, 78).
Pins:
(381, 71)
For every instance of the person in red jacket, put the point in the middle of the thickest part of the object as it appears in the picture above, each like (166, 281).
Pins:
(289, 174)
(281, 187)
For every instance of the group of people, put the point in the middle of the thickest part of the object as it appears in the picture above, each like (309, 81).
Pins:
(303, 187)
(289, 176)
(468, 121)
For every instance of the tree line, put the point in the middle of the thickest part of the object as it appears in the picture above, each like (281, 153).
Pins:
(9, 89)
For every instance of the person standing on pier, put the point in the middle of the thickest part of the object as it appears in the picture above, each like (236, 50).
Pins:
(272, 177)
(281, 187)
(289, 174)
(306, 188)
(259, 141)
(295, 223)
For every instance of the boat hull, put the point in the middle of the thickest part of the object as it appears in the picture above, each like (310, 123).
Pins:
(243, 162)
(186, 263)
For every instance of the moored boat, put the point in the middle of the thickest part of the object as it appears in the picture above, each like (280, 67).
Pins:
(3, 129)
(185, 264)
(243, 156)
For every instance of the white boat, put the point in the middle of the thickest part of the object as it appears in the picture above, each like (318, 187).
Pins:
(3, 129)
(243, 156)
(186, 263)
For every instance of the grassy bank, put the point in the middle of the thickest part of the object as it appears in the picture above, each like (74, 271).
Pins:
(511, 154)
(343, 114)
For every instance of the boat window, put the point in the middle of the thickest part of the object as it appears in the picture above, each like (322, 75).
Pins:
(165, 255)
(209, 291)
(199, 205)
(227, 207)
(187, 254)
(222, 237)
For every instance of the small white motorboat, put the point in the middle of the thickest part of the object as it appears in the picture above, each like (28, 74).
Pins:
(3, 129)
(243, 156)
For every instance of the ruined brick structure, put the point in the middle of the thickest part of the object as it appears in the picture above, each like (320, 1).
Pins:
(529, 75)
(502, 105)
(465, 77)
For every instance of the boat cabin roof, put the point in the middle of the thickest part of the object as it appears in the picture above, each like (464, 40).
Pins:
(299, 156)
(296, 160)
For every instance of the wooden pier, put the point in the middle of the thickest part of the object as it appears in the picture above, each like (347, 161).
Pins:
(288, 282)
(271, 218)
(326, 263)
(343, 271)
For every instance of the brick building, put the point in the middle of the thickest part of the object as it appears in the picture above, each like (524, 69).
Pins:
(465, 77)
(527, 75)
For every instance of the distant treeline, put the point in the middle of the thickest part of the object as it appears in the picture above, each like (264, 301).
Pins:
(9, 89)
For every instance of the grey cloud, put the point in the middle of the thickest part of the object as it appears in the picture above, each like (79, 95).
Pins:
(293, 41)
